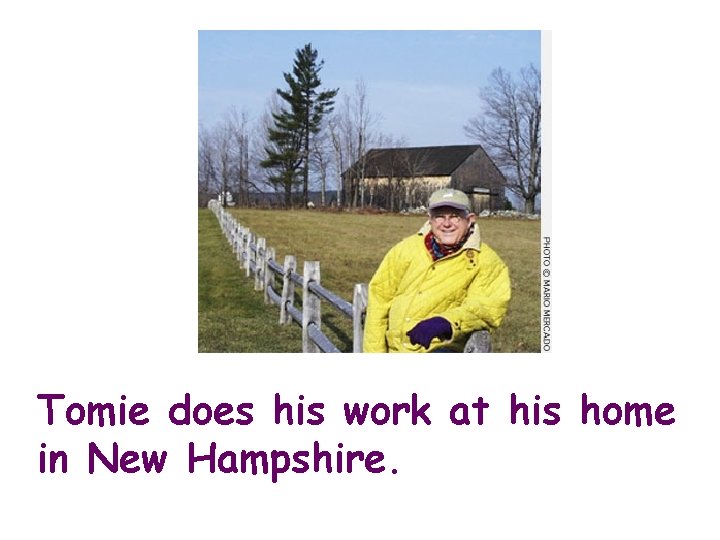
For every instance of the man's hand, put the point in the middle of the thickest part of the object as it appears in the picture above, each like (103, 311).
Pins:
(424, 331)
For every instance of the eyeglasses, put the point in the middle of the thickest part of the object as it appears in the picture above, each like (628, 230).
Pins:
(454, 218)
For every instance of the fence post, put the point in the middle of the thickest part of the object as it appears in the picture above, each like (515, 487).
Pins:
(248, 252)
(226, 224)
(311, 305)
(288, 291)
(360, 297)
(268, 274)
(245, 246)
(259, 264)
(479, 342)
(230, 227)
(234, 240)
(240, 244)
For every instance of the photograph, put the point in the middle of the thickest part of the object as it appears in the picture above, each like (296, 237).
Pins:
(369, 191)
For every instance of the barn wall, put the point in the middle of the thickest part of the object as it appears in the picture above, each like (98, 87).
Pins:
(479, 171)
(480, 202)
(412, 192)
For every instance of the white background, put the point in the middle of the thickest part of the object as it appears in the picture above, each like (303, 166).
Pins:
(99, 297)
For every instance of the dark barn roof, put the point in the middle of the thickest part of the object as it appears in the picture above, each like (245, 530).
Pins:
(422, 161)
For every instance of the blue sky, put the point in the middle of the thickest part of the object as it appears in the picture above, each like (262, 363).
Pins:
(423, 85)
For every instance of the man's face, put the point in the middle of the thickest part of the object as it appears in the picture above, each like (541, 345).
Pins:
(449, 224)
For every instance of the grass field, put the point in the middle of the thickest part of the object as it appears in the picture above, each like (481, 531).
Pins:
(350, 247)
(231, 315)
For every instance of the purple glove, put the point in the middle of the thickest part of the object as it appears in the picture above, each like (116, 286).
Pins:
(424, 331)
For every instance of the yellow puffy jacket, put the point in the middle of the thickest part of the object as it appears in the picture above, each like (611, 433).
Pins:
(470, 288)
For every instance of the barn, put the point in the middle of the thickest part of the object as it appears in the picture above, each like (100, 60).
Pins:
(402, 178)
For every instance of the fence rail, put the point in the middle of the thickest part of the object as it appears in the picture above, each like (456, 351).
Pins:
(258, 261)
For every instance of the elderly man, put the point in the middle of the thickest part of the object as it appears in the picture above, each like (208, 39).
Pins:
(433, 289)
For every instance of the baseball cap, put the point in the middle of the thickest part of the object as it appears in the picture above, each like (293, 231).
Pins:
(449, 197)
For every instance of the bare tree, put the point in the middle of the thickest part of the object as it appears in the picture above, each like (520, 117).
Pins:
(351, 136)
(258, 141)
(394, 168)
(208, 185)
(341, 140)
(415, 163)
(509, 130)
(223, 144)
(237, 131)
(224, 159)
(321, 159)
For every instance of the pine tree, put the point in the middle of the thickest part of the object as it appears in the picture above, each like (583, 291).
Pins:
(297, 122)
(284, 153)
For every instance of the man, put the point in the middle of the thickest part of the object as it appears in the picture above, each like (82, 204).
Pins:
(433, 289)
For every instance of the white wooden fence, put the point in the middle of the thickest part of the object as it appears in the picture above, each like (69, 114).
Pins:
(258, 261)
